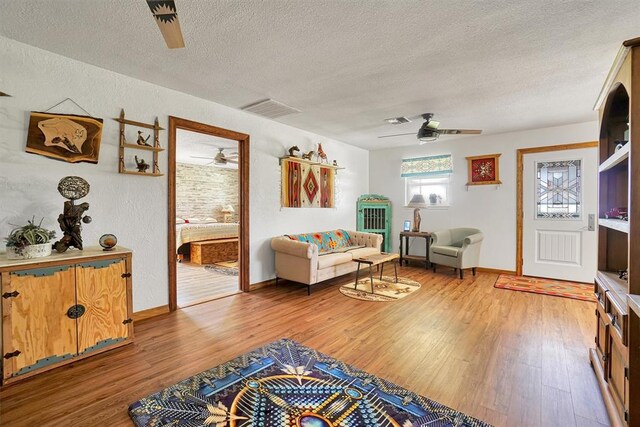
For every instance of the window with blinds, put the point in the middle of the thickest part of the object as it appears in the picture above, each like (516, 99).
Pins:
(429, 176)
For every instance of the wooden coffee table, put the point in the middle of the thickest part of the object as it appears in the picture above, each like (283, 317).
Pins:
(378, 259)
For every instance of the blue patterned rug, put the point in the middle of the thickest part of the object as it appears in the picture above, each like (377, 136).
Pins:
(285, 384)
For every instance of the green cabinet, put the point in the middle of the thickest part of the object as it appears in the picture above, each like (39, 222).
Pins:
(374, 216)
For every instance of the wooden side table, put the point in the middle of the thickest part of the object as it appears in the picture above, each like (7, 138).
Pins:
(404, 243)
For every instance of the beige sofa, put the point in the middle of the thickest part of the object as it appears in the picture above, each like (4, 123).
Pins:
(302, 262)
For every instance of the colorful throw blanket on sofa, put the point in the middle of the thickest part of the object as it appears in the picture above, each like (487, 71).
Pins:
(327, 241)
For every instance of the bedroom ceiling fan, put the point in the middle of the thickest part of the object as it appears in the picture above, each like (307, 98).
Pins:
(429, 130)
(165, 13)
(221, 158)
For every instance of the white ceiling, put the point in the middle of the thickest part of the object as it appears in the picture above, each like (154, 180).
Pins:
(190, 145)
(499, 65)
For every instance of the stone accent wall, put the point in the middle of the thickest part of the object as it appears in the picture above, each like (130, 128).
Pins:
(201, 191)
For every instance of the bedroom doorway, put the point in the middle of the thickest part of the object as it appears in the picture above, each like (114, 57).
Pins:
(208, 212)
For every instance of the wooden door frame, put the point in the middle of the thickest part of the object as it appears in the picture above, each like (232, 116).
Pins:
(176, 123)
(519, 188)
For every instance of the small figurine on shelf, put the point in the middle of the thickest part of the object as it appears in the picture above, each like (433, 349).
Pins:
(623, 274)
(141, 139)
(142, 165)
(293, 150)
(322, 156)
(308, 155)
(335, 163)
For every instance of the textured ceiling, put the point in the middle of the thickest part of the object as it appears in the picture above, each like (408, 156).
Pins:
(498, 65)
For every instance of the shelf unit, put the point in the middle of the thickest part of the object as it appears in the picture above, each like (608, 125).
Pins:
(155, 149)
(616, 355)
(310, 162)
(615, 224)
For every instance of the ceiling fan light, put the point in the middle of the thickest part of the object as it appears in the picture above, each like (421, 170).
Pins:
(427, 134)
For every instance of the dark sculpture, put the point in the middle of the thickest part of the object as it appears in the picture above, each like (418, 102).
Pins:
(292, 151)
(142, 165)
(72, 188)
(141, 139)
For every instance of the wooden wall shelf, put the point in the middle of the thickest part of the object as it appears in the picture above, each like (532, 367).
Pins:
(142, 173)
(155, 148)
(615, 159)
(142, 147)
(310, 162)
(615, 224)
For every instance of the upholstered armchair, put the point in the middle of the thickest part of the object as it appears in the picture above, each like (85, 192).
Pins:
(457, 247)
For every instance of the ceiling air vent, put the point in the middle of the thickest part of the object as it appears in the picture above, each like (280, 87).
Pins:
(270, 109)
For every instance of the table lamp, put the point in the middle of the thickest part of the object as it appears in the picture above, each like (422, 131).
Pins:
(227, 211)
(417, 202)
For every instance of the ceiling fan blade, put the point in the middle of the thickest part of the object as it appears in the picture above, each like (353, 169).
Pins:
(232, 161)
(460, 131)
(167, 19)
(399, 134)
(199, 157)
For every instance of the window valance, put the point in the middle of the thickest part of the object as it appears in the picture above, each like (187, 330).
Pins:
(426, 166)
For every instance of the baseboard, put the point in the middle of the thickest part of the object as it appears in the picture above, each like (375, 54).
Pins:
(149, 313)
(265, 283)
(495, 271)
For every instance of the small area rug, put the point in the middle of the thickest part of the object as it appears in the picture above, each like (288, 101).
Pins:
(287, 384)
(385, 289)
(552, 287)
(230, 268)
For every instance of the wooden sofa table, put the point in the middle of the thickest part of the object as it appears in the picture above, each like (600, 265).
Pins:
(379, 259)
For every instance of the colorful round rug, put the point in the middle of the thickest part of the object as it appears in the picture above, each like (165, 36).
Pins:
(384, 290)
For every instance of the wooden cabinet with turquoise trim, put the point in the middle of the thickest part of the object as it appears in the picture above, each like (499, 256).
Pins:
(374, 216)
(62, 308)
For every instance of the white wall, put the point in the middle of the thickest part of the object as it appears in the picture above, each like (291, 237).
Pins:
(487, 207)
(132, 207)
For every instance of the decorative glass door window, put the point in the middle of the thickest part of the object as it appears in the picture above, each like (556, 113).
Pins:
(558, 190)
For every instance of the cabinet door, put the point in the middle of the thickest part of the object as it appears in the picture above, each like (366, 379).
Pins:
(37, 330)
(101, 288)
(617, 373)
(602, 336)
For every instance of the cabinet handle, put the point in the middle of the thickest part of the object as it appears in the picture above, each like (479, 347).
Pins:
(76, 311)
(126, 275)
(129, 320)
(13, 354)
(10, 294)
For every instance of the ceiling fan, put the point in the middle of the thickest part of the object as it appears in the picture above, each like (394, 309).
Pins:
(429, 130)
(167, 19)
(220, 158)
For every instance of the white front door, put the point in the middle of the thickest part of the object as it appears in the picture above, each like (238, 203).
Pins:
(559, 205)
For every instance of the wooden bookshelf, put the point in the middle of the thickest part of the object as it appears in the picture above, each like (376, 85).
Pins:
(616, 357)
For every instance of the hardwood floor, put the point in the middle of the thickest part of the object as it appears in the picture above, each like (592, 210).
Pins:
(509, 358)
(196, 285)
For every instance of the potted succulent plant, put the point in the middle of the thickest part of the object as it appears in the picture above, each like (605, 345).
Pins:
(29, 241)
(434, 199)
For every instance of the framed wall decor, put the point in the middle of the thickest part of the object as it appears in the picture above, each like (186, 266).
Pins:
(484, 169)
(65, 137)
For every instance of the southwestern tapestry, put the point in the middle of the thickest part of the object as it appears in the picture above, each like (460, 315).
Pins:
(307, 185)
